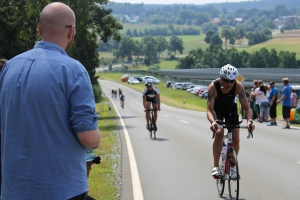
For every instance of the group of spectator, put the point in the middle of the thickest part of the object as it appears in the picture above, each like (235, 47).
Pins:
(264, 99)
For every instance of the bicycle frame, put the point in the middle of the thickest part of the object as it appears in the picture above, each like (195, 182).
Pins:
(152, 128)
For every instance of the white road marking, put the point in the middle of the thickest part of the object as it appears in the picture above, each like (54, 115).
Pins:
(184, 121)
(166, 115)
(136, 183)
(298, 162)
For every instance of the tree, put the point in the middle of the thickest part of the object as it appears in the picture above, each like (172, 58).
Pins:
(240, 33)
(227, 34)
(161, 43)
(201, 18)
(128, 32)
(125, 49)
(208, 35)
(210, 26)
(215, 40)
(175, 44)
(138, 49)
(149, 49)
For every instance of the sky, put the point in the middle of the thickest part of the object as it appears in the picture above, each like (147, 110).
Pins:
(175, 1)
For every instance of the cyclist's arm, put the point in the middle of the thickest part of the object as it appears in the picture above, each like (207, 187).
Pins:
(158, 100)
(210, 103)
(245, 104)
(144, 102)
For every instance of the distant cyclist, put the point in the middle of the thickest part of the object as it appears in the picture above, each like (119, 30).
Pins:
(151, 96)
(112, 93)
(221, 102)
(122, 100)
(120, 92)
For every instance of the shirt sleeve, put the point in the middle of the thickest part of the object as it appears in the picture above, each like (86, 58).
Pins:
(83, 116)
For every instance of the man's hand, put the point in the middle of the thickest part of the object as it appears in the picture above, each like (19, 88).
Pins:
(214, 126)
(250, 126)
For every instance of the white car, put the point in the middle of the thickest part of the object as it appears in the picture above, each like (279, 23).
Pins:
(133, 81)
(150, 79)
(177, 86)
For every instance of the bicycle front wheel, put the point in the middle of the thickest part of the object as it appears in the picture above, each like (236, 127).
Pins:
(150, 128)
(221, 183)
(234, 177)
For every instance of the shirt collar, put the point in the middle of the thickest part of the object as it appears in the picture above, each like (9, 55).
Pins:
(50, 46)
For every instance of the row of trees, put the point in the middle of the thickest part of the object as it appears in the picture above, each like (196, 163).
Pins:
(150, 47)
(163, 31)
(215, 56)
(19, 21)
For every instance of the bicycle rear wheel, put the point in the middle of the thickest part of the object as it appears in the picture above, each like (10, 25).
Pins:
(233, 181)
(221, 183)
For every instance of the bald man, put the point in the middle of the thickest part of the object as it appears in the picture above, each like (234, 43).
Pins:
(48, 116)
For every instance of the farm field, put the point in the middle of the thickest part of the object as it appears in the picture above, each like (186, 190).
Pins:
(287, 41)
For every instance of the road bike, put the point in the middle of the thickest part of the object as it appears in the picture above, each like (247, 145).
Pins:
(229, 160)
(122, 104)
(152, 126)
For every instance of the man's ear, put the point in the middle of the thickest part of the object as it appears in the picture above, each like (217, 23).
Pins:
(40, 30)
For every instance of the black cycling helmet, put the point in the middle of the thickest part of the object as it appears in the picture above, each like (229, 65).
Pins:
(148, 84)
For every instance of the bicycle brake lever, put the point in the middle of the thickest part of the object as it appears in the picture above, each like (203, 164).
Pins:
(213, 135)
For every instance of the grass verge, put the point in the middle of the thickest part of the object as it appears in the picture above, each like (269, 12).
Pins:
(104, 178)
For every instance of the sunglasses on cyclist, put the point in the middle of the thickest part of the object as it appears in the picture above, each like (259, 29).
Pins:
(228, 81)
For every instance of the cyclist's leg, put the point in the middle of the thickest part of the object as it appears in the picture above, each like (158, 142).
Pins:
(155, 107)
(217, 143)
(217, 146)
(236, 140)
(147, 115)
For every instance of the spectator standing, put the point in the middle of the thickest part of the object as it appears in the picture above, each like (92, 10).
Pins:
(273, 105)
(286, 102)
(257, 85)
(263, 103)
(48, 117)
(294, 99)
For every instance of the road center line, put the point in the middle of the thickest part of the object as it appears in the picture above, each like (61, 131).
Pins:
(136, 183)
(298, 162)
(184, 121)
(166, 115)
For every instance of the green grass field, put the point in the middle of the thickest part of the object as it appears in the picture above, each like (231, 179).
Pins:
(287, 41)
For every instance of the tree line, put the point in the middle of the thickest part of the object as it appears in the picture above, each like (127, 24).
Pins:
(19, 20)
(215, 56)
(163, 31)
(149, 47)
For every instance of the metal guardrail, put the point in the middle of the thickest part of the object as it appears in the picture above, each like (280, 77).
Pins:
(206, 75)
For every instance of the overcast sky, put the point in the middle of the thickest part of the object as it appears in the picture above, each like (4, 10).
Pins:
(175, 1)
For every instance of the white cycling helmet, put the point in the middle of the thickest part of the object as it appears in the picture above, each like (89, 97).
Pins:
(229, 72)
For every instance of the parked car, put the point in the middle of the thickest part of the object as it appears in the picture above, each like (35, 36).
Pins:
(185, 85)
(194, 89)
(150, 79)
(171, 85)
(177, 86)
(203, 95)
(125, 77)
(168, 83)
(138, 77)
(133, 81)
(200, 90)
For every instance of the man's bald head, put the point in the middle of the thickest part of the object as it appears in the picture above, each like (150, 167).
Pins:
(53, 21)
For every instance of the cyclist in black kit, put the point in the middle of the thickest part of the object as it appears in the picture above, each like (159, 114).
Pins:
(151, 95)
(221, 102)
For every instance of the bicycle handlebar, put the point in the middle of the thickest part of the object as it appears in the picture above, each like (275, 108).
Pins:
(232, 127)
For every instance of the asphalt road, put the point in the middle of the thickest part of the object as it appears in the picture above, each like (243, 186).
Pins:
(177, 166)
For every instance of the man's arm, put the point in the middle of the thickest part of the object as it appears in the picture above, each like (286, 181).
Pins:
(158, 99)
(90, 139)
(144, 102)
(210, 103)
